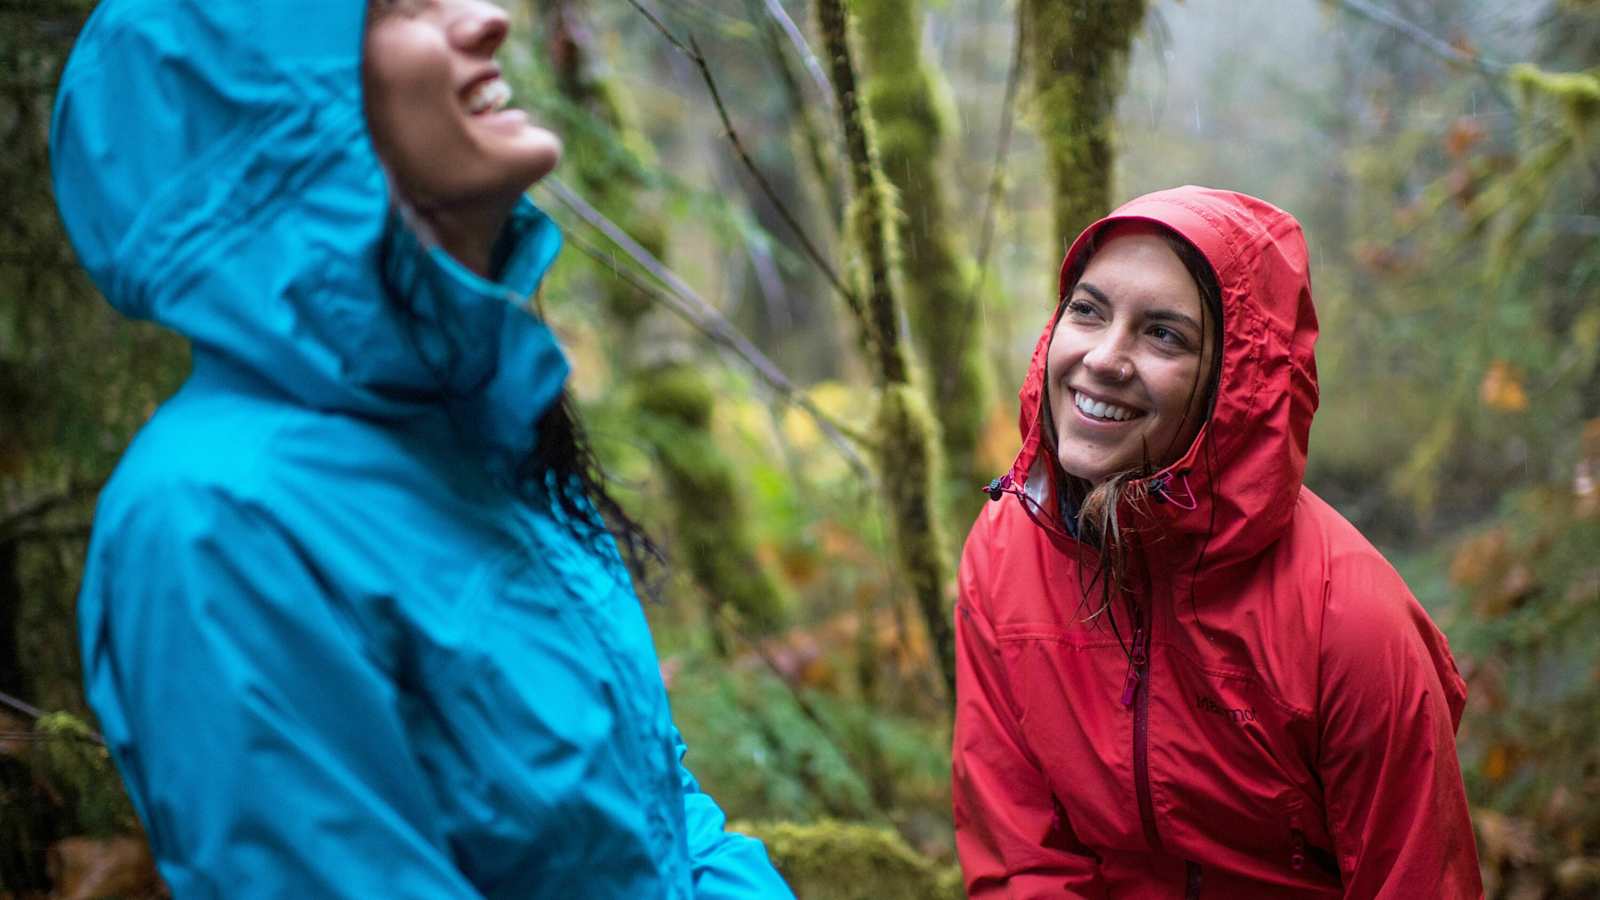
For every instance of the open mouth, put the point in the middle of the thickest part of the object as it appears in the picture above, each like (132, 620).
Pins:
(1101, 411)
(488, 96)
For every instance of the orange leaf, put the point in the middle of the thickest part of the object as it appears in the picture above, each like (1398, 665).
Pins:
(1464, 134)
(1502, 389)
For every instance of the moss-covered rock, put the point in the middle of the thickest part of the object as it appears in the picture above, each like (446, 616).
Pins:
(847, 861)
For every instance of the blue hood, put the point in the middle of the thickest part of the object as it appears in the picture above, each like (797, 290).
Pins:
(213, 168)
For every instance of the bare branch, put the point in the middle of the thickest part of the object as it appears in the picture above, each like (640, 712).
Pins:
(813, 65)
(1491, 70)
(692, 51)
(996, 177)
(27, 709)
(1420, 36)
(704, 317)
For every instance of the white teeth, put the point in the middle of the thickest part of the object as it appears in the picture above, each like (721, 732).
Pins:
(1102, 410)
(490, 96)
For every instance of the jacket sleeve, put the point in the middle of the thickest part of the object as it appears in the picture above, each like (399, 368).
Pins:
(261, 743)
(1390, 701)
(726, 865)
(1013, 839)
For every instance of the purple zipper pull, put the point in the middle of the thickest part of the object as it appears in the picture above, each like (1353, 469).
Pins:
(1135, 668)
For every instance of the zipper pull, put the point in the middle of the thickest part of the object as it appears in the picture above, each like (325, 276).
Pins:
(1130, 685)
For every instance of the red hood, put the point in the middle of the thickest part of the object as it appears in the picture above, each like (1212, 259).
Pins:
(1239, 479)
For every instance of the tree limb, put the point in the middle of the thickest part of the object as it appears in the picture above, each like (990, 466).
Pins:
(692, 51)
(792, 31)
(1491, 70)
(699, 313)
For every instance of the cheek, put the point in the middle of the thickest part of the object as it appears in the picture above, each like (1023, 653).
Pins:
(1177, 386)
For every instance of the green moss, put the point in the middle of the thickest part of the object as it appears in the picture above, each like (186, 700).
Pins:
(844, 861)
(907, 434)
(1578, 93)
(909, 108)
(73, 762)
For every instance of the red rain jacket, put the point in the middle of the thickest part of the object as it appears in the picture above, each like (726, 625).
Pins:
(1279, 722)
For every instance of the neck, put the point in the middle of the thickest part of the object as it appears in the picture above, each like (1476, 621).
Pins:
(468, 231)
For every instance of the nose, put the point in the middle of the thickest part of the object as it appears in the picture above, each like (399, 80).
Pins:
(481, 28)
(1109, 360)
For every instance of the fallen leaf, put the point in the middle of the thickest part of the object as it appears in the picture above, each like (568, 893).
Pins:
(1501, 389)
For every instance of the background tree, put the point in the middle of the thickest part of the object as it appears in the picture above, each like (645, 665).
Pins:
(1078, 57)
(910, 107)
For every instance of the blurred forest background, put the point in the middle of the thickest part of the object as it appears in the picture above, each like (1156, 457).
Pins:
(798, 347)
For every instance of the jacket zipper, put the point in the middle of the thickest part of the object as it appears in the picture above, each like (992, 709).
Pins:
(1136, 693)
(1193, 877)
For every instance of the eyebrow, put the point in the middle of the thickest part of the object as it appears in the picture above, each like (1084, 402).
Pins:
(1160, 315)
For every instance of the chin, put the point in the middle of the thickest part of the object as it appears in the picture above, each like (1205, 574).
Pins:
(537, 154)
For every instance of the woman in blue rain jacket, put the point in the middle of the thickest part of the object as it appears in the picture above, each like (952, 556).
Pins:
(350, 622)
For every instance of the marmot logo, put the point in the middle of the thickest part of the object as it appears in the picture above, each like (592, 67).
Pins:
(1237, 716)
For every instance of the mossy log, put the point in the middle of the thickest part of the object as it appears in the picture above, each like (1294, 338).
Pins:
(1077, 52)
(906, 436)
(910, 110)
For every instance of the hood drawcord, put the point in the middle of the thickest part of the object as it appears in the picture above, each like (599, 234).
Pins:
(1160, 490)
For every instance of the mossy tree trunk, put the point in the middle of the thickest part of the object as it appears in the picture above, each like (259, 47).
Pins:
(908, 103)
(906, 435)
(1077, 51)
(672, 400)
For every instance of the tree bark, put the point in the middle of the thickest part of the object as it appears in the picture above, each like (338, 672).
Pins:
(905, 433)
(1078, 55)
(709, 517)
(907, 100)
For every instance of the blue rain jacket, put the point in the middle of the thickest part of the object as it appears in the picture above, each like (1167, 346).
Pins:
(333, 653)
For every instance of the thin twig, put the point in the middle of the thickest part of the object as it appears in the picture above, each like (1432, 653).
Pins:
(21, 706)
(699, 313)
(692, 51)
(813, 65)
(996, 178)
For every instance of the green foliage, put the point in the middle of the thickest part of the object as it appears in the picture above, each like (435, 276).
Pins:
(801, 748)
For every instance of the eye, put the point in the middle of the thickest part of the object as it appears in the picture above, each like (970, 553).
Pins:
(1169, 337)
(1079, 308)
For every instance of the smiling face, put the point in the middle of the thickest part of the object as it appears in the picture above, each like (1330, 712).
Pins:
(436, 106)
(1127, 361)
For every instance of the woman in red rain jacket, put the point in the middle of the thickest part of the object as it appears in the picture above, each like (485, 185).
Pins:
(1180, 672)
